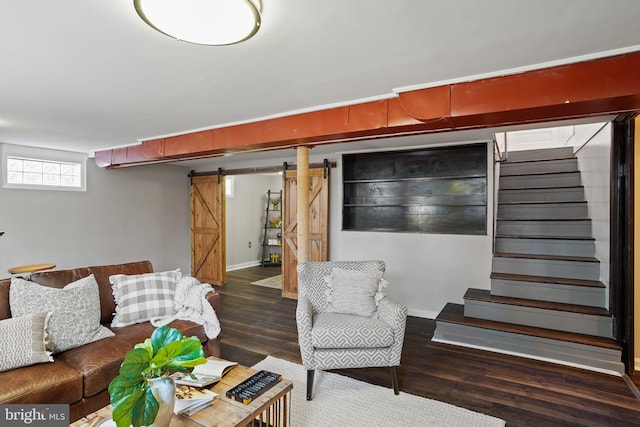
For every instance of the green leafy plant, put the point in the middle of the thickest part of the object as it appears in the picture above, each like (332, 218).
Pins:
(167, 351)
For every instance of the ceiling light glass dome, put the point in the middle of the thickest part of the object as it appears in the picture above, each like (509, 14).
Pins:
(207, 22)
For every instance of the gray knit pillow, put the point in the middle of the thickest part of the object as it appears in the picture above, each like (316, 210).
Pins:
(75, 310)
(22, 340)
(353, 292)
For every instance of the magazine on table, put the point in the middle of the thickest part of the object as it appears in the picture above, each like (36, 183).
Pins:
(190, 400)
(205, 374)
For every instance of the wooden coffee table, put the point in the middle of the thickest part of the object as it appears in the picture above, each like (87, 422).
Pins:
(272, 408)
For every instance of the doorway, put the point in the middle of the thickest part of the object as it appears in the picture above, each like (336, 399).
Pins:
(249, 206)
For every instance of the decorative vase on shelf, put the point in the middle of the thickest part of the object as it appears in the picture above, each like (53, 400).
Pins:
(164, 390)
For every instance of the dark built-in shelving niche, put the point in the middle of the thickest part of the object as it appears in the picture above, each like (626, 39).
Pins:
(434, 190)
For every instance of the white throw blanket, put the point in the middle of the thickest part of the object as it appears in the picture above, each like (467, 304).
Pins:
(192, 304)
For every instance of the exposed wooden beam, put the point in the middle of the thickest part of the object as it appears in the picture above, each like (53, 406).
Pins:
(598, 87)
(302, 200)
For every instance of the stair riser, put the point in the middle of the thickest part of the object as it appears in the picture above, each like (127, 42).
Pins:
(545, 154)
(546, 195)
(599, 326)
(540, 181)
(544, 228)
(585, 248)
(565, 165)
(542, 211)
(573, 354)
(581, 295)
(547, 268)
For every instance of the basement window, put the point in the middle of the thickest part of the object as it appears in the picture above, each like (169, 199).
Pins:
(42, 169)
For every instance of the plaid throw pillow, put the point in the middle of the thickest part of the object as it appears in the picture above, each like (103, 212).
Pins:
(141, 297)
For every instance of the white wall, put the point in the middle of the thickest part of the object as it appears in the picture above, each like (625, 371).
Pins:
(425, 270)
(245, 218)
(125, 215)
(594, 159)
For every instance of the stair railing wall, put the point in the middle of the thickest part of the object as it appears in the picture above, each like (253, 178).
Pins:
(594, 159)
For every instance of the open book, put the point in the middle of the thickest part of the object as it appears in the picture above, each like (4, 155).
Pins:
(190, 400)
(203, 375)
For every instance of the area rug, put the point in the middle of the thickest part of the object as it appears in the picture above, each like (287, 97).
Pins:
(343, 401)
(270, 282)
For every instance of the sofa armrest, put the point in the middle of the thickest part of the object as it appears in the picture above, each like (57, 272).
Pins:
(214, 300)
(304, 322)
(395, 315)
(212, 346)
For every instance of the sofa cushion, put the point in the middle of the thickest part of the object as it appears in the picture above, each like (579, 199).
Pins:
(75, 318)
(336, 330)
(141, 297)
(22, 340)
(47, 382)
(98, 362)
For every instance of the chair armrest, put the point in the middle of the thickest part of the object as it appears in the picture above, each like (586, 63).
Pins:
(395, 315)
(304, 322)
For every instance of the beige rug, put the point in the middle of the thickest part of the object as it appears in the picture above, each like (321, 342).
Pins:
(270, 282)
(345, 402)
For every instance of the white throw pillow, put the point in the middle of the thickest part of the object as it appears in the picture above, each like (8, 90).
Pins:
(22, 340)
(75, 310)
(141, 297)
(354, 292)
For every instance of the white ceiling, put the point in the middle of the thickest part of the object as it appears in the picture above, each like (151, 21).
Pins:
(87, 75)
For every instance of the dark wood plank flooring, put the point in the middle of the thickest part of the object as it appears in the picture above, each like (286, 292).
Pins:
(257, 322)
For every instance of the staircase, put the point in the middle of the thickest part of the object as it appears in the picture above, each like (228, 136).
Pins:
(546, 299)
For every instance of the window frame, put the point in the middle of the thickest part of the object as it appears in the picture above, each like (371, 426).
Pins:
(42, 155)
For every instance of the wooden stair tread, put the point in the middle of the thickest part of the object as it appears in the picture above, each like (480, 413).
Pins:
(545, 257)
(454, 313)
(543, 219)
(544, 202)
(485, 295)
(510, 175)
(551, 280)
(520, 236)
(553, 187)
(508, 162)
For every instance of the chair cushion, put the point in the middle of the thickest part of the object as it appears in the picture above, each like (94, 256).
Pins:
(336, 330)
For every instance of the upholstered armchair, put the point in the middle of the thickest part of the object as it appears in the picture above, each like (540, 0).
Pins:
(345, 321)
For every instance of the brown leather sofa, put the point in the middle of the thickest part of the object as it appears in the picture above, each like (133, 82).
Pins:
(80, 376)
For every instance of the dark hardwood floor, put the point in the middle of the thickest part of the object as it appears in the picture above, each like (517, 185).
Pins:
(257, 322)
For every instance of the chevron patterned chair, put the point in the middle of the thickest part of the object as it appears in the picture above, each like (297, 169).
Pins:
(344, 320)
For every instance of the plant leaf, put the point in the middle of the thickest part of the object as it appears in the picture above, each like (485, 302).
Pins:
(163, 336)
(123, 408)
(134, 364)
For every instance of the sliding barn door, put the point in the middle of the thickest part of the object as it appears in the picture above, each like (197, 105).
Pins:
(208, 261)
(318, 226)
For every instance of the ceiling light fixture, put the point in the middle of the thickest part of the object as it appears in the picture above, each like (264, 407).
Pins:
(207, 22)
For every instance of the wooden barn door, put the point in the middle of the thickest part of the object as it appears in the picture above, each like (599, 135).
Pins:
(318, 226)
(208, 260)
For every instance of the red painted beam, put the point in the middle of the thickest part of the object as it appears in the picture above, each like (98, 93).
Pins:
(598, 87)
(608, 85)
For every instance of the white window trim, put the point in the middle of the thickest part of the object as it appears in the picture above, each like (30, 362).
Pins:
(44, 154)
